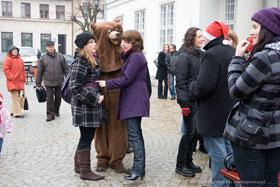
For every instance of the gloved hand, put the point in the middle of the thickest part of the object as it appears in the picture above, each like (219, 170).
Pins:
(185, 111)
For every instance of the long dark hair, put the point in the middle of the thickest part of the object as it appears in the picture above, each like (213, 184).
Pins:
(265, 37)
(189, 39)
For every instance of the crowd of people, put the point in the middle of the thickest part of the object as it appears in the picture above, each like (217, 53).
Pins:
(228, 92)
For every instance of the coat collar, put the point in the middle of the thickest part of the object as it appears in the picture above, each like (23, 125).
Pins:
(214, 42)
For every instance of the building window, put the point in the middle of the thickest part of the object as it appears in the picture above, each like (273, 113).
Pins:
(25, 10)
(60, 12)
(44, 11)
(44, 39)
(6, 9)
(166, 24)
(7, 40)
(26, 40)
(121, 20)
(278, 3)
(230, 13)
(140, 22)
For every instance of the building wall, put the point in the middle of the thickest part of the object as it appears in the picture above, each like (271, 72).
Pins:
(183, 19)
(36, 25)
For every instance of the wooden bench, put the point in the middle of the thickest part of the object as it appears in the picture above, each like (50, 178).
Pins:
(232, 175)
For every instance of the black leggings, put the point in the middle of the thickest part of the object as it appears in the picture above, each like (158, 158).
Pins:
(87, 135)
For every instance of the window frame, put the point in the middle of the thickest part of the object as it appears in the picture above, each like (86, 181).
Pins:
(167, 24)
(139, 22)
(278, 3)
(59, 10)
(7, 3)
(230, 22)
(4, 39)
(25, 10)
(44, 7)
(23, 40)
(43, 41)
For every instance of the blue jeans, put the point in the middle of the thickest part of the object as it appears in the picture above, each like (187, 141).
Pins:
(218, 148)
(135, 136)
(257, 167)
(171, 84)
(1, 142)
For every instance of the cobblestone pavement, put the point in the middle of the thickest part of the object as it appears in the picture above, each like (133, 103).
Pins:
(40, 153)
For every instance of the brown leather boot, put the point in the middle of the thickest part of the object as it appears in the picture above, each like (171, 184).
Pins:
(84, 162)
(76, 163)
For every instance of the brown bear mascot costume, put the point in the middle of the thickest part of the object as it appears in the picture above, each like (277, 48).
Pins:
(110, 138)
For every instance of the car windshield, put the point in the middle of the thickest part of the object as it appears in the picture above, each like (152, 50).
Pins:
(27, 52)
(67, 57)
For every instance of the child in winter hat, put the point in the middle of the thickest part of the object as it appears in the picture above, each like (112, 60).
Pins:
(5, 121)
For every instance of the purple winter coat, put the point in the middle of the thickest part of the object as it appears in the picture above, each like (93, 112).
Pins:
(134, 97)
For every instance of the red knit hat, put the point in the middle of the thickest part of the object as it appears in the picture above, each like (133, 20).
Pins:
(215, 30)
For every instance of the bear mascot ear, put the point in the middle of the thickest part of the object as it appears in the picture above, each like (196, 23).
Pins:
(117, 20)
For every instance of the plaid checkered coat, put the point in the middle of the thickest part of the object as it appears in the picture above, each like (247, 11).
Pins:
(86, 111)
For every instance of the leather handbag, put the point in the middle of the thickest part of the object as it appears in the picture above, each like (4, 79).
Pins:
(41, 94)
(24, 101)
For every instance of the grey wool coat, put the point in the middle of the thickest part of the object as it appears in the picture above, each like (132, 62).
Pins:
(86, 111)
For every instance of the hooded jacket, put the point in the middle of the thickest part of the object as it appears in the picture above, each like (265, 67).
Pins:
(257, 87)
(14, 71)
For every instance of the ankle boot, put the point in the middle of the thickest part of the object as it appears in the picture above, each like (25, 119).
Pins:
(84, 162)
(76, 163)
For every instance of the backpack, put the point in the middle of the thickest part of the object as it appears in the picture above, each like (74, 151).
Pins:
(66, 94)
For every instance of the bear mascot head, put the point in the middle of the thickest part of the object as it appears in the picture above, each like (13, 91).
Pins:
(108, 44)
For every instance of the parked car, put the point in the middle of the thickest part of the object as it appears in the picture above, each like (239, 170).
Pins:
(28, 55)
(69, 59)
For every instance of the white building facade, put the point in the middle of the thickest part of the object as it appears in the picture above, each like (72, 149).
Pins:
(166, 21)
(31, 23)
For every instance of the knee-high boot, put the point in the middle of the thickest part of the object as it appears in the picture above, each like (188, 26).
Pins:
(76, 163)
(84, 163)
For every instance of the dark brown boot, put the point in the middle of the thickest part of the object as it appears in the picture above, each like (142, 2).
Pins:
(84, 162)
(120, 169)
(76, 163)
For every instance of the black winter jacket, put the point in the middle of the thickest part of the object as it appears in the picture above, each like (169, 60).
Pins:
(187, 68)
(163, 66)
(211, 89)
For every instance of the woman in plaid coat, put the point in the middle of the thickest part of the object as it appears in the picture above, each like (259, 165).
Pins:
(86, 104)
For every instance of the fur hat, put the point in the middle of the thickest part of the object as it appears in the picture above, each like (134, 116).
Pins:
(83, 38)
(269, 18)
(215, 30)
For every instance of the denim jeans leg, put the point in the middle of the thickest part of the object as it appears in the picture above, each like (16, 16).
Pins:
(250, 164)
(217, 148)
(171, 83)
(134, 132)
(1, 142)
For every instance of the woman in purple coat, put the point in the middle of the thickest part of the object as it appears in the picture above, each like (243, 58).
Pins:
(134, 97)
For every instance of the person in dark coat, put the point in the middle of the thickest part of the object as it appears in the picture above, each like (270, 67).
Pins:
(187, 67)
(53, 67)
(38, 54)
(255, 83)
(134, 97)
(88, 112)
(161, 75)
(214, 101)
